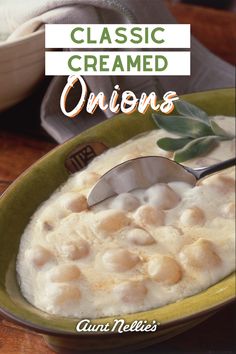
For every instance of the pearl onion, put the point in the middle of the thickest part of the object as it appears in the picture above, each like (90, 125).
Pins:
(180, 187)
(63, 294)
(125, 201)
(85, 180)
(74, 250)
(162, 196)
(64, 273)
(139, 237)
(77, 203)
(149, 215)
(119, 260)
(110, 221)
(164, 269)
(39, 256)
(222, 182)
(131, 292)
(192, 216)
(228, 210)
(90, 178)
(200, 254)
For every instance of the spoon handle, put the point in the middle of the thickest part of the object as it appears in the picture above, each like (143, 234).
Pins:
(205, 171)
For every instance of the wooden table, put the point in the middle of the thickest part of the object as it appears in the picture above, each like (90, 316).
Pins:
(22, 142)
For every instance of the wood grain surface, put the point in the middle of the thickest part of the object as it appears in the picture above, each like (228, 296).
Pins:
(22, 143)
(214, 28)
(18, 152)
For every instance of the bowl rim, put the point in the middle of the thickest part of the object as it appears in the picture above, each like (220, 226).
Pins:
(21, 40)
(67, 333)
(55, 332)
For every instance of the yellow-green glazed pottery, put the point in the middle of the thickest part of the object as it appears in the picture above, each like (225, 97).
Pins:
(34, 186)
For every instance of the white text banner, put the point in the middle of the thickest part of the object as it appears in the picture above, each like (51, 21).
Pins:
(117, 63)
(117, 36)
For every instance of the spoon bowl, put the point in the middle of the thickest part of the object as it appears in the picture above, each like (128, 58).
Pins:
(143, 172)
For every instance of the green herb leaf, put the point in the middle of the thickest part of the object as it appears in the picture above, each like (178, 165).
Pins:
(187, 127)
(196, 147)
(199, 134)
(189, 110)
(170, 144)
(219, 131)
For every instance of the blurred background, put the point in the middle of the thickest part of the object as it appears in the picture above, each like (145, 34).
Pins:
(224, 4)
(212, 23)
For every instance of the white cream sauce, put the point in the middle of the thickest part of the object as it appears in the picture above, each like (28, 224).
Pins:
(133, 252)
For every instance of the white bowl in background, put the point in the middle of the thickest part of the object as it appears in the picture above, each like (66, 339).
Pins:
(21, 68)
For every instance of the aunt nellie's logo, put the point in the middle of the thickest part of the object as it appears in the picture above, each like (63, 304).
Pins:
(118, 325)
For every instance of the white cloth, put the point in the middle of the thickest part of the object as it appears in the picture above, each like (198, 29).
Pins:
(18, 18)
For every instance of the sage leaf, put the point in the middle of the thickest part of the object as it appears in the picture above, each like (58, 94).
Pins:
(196, 147)
(171, 144)
(189, 110)
(183, 126)
(219, 131)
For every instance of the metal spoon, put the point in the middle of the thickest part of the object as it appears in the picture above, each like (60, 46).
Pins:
(143, 172)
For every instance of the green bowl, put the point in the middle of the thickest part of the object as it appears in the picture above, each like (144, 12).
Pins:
(35, 185)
